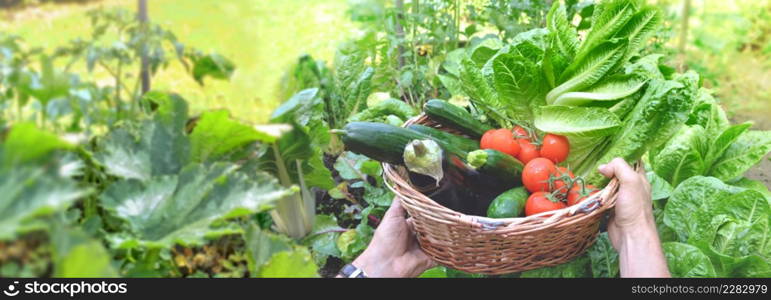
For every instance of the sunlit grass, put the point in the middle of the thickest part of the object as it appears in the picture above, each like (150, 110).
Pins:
(262, 37)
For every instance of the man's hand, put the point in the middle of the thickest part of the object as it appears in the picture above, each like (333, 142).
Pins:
(632, 229)
(394, 250)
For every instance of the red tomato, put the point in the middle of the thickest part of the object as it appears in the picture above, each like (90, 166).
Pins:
(521, 133)
(575, 195)
(487, 139)
(527, 151)
(539, 202)
(535, 175)
(555, 147)
(501, 140)
(561, 186)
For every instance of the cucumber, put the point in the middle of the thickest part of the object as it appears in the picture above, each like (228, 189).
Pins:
(501, 165)
(385, 143)
(456, 140)
(509, 204)
(456, 117)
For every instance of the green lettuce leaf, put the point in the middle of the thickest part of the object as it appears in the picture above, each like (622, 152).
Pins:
(680, 158)
(688, 261)
(611, 88)
(588, 70)
(585, 128)
(733, 232)
(748, 149)
(688, 198)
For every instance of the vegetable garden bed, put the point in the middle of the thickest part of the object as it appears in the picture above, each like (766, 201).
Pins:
(137, 185)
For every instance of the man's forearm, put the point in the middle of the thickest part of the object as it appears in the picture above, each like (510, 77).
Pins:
(640, 254)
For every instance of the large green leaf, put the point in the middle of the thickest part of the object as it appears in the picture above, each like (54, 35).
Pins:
(516, 81)
(685, 260)
(612, 88)
(608, 19)
(659, 114)
(27, 192)
(297, 263)
(157, 147)
(180, 208)
(726, 138)
(585, 127)
(479, 90)
(741, 155)
(272, 255)
(660, 188)
(566, 38)
(639, 29)
(26, 143)
(680, 158)
(75, 254)
(708, 113)
(754, 185)
(34, 179)
(733, 230)
(563, 43)
(586, 71)
(216, 134)
(689, 196)
(261, 246)
(323, 239)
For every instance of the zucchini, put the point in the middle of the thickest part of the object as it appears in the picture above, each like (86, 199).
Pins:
(456, 117)
(383, 142)
(501, 165)
(509, 204)
(462, 143)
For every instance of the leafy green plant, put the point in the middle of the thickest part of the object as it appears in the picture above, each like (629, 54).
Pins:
(173, 188)
(727, 224)
(710, 146)
(296, 159)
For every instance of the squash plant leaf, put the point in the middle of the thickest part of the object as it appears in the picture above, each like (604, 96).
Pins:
(153, 147)
(180, 208)
(34, 182)
(75, 254)
(216, 134)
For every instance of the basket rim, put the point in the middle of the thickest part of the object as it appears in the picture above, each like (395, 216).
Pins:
(519, 225)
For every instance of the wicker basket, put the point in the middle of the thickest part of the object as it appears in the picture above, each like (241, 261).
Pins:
(484, 245)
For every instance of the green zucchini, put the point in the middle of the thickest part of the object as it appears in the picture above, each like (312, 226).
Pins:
(501, 165)
(462, 143)
(509, 204)
(385, 143)
(456, 117)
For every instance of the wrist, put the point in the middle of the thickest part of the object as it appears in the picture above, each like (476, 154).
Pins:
(375, 265)
(643, 232)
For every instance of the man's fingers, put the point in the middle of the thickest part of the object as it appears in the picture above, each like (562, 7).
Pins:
(396, 210)
(620, 169)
